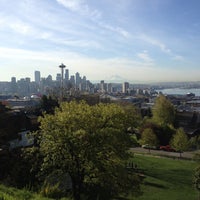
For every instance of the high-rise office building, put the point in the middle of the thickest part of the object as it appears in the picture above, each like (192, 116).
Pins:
(13, 80)
(66, 75)
(13, 85)
(72, 80)
(125, 87)
(102, 86)
(37, 76)
(78, 79)
(109, 88)
(83, 84)
(58, 77)
(28, 80)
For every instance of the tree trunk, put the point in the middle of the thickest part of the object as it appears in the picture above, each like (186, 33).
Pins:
(76, 192)
(77, 183)
(77, 196)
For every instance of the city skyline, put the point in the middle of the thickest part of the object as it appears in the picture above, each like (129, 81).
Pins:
(127, 40)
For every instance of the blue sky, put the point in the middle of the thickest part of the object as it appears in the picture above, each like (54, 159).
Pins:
(133, 40)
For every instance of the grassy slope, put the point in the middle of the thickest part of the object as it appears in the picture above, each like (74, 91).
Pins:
(166, 178)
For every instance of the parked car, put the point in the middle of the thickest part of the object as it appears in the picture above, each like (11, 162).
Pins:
(167, 148)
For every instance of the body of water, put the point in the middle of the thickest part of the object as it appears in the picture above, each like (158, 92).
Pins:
(180, 91)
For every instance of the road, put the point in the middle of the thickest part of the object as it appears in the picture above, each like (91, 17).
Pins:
(187, 155)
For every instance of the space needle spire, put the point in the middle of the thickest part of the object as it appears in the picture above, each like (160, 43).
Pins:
(62, 66)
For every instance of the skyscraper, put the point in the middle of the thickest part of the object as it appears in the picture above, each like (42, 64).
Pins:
(72, 80)
(37, 76)
(58, 77)
(13, 80)
(109, 88)
(102, 86)
(78, 79)
(83, 84)
(13, 85)
(125, 87)
(66, 75)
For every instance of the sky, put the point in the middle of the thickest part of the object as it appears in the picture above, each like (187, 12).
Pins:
(124, 40)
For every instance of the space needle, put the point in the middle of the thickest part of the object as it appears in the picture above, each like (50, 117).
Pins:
(62, 66)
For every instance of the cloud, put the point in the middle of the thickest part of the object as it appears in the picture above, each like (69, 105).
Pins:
(16, 25)
(145, 57)
(118, 30)
(16, 53)
(178, 58)
(155, 42)
(82, 43)
(162, 47)
(81, 7)
(20, 27)
(57, 35)
(74, 5)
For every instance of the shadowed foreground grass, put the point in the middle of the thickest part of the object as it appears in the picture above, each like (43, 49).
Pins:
(10, 193)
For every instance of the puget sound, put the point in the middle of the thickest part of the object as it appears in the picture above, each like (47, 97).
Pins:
(180, 91)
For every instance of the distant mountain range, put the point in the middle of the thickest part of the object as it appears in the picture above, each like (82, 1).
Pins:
(112, 79)
(117, 79)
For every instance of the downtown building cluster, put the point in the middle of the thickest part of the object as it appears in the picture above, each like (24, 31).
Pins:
(70, 84)
(45, 85)
(64, 81)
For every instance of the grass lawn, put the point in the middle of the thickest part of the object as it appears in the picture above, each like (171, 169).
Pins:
(166, 178)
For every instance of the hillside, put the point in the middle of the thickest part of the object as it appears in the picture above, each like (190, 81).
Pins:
(165, 178)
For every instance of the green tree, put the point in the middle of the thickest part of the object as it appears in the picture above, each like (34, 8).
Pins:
(149, 138)
(163, 133)
(180, 141)
(48, 104)
(195, 142)
(163, 111)
(89, 143)
(133, 115)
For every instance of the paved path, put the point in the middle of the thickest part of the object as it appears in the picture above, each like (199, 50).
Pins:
(187, 155)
